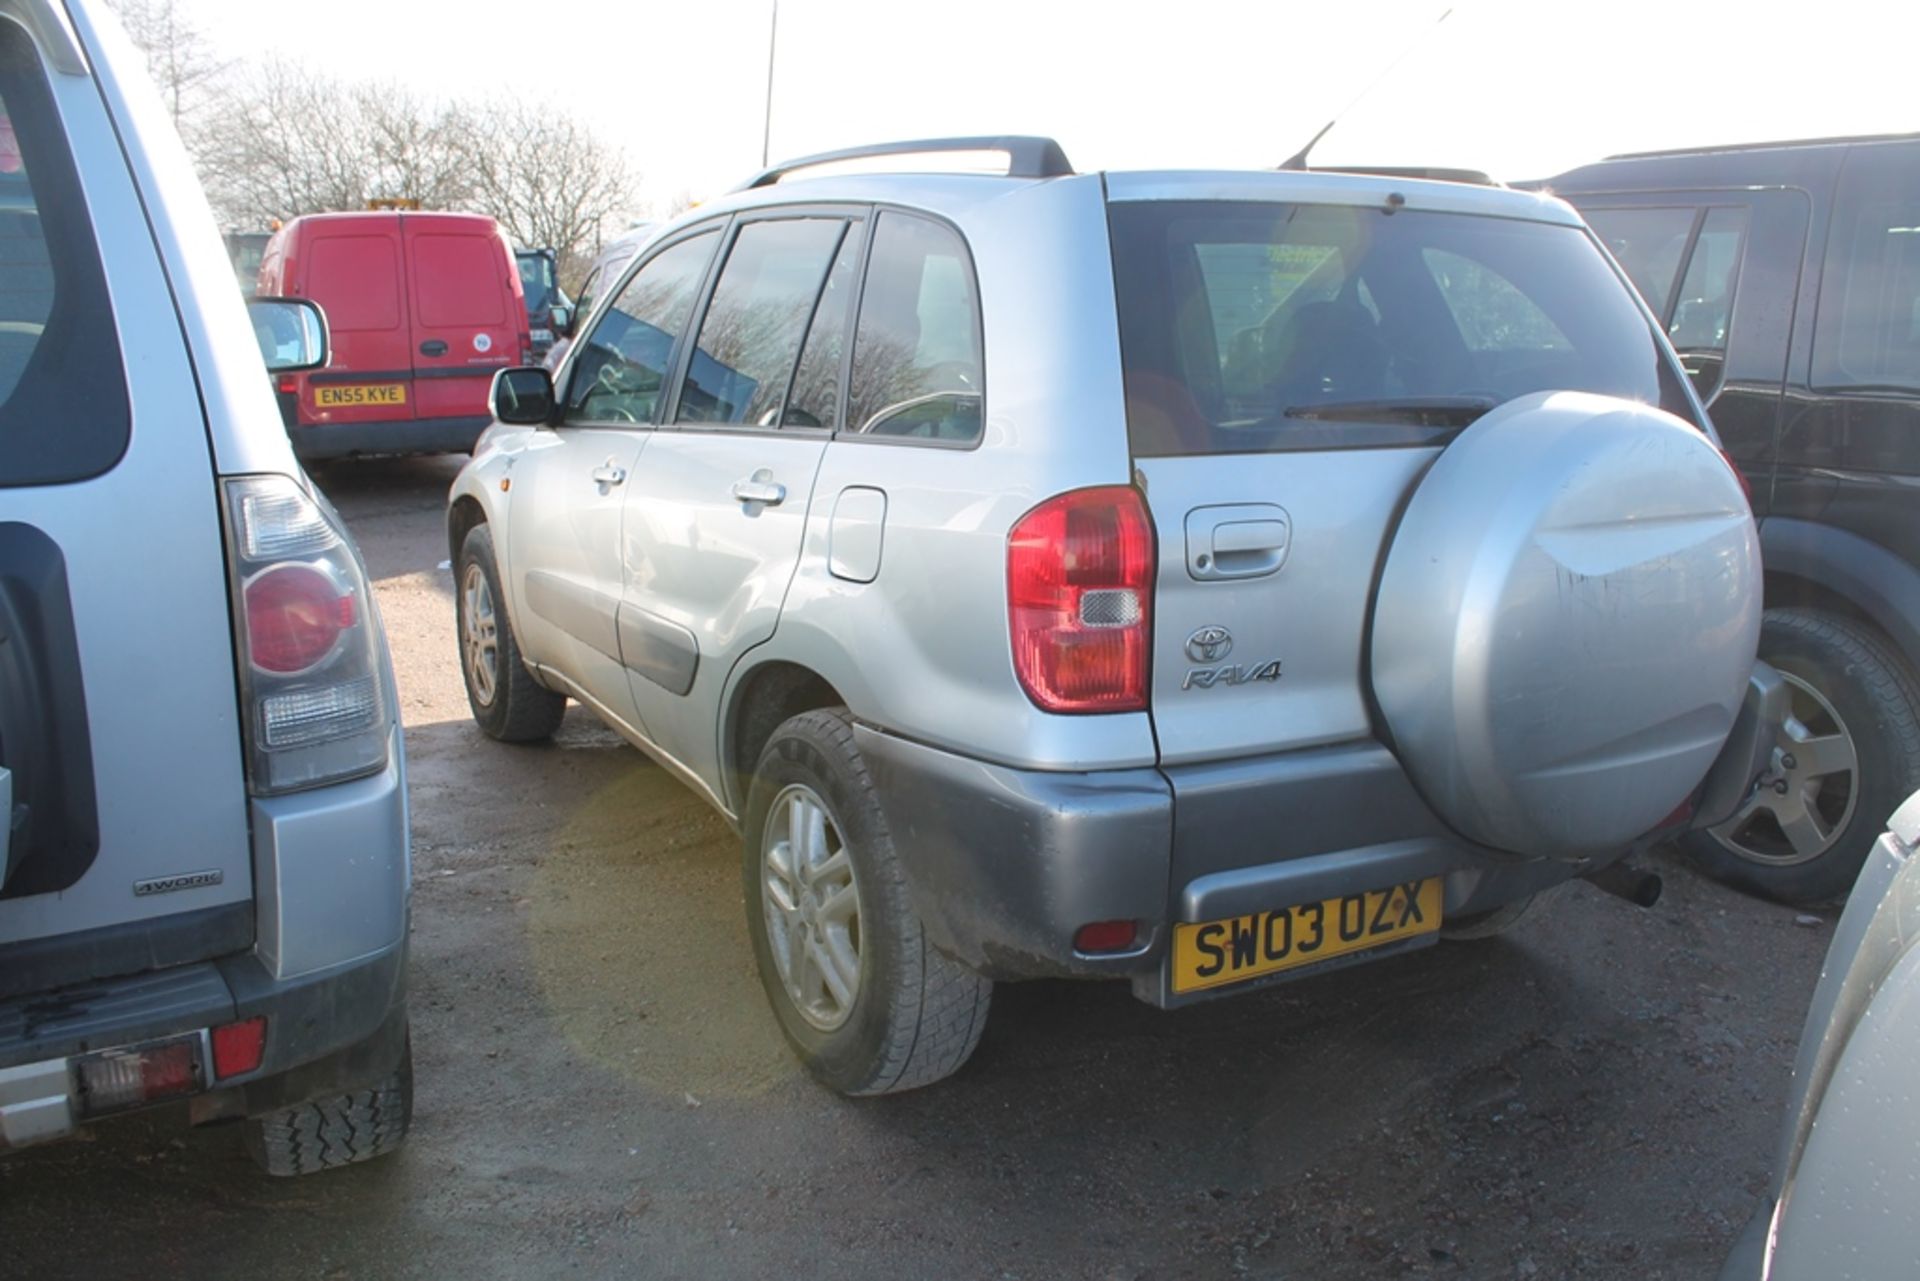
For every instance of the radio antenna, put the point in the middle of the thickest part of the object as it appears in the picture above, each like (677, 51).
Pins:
(1298, 160)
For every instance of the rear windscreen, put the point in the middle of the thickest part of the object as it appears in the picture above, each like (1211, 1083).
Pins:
(1254, 327)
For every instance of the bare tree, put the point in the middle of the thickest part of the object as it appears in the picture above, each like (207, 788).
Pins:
(548, 179)
(180, 58)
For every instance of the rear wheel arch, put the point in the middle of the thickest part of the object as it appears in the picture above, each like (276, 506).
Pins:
(763, 699)
(1810, 565)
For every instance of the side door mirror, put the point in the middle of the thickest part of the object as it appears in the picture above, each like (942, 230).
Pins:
(561, 317)
(523, 396)
(292, 333)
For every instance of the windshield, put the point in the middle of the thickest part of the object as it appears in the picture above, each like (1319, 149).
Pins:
(1257, 327)
(536, 280)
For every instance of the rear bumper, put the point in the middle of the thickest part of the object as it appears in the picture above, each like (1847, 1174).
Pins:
(328, 1032)
(1004, 865)
(314, 442)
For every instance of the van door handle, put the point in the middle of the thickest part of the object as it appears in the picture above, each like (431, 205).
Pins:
(433, 347)
(607, 475)
(760, 488)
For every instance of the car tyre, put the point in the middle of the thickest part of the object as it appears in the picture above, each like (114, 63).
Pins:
(1846, 684)
(340, 1129)
(507, 703)
(868, 1004)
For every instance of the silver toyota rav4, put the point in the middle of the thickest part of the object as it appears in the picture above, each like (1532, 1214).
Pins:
(204, 868)
(1201, 579)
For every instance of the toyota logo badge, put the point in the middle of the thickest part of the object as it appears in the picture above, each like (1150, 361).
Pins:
(1209, 644)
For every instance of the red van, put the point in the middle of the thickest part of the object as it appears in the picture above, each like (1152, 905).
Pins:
(422, 308)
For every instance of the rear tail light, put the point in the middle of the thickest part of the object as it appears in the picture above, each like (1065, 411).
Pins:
(1105, 936)
(313, 677)
(238, 1047)
(1746, 486)
(1080, 600)
(286, 385)
(137, 1074)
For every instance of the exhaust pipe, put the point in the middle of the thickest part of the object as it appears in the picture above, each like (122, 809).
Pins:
(1634, 884)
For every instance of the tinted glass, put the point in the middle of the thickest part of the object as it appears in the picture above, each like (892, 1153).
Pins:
(1704, 307)
(1648, 244)
(1262, 327)
(627, 357)
(750, 336)
(63, 395)
(916, 350)
(815, 398)
(536, 281)
(1868, 333)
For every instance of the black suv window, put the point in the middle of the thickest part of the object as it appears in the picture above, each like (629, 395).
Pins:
(628, 355)
(1648, 244)
(1868, 331)
(1256, 327)
(63, 396)
(916, 350)
(750, 336)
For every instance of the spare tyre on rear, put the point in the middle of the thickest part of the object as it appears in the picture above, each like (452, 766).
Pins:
(1565, 623)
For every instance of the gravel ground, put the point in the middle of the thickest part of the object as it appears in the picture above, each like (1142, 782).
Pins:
(603, 1092)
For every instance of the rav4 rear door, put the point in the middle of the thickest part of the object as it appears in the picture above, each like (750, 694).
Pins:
(467, 311)
(1293, 372)
(118, 706)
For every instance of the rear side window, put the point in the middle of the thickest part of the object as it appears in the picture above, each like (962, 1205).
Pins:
(1260, 327)
(1648, 244)
(815, 398)
(1703, 309)
(627, 356)
(64, 414)
(750, 336)
(357, 280)
(916, 349)
(1868, 331)
(459, 280)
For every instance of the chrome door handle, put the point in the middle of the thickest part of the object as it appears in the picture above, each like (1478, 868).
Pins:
(608, 474)
(768, 493)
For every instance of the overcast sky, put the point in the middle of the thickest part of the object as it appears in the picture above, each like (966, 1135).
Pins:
(1522, 88)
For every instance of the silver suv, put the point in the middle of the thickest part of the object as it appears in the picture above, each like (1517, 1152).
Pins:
(204, 875)
(1200, 579)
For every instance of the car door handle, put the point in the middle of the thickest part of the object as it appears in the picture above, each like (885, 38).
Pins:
(758, 489)
(608, 474)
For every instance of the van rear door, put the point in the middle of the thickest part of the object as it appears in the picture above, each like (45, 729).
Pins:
(351, 266)
(468, 312)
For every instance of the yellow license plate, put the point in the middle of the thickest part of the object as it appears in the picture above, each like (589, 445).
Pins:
(361, 394)
(1215, 953)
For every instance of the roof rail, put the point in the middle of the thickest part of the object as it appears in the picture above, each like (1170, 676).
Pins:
(1429, 173)
(1779, 144)
(1027, 157)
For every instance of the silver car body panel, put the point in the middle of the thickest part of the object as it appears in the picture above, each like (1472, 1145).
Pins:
(922, 650)
(1843, 1182)
(147, 576)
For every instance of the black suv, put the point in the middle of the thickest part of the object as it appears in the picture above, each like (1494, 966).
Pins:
(1788, 277)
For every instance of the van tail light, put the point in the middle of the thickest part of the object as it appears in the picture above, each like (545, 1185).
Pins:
(1080, 600)
(286, 385)
(526, 353)
(313, 684)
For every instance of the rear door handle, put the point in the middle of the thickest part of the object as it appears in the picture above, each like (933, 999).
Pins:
(760, 488)
(1245, 541)
(608, 475)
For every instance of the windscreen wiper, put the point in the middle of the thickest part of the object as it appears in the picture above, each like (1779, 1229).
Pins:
(1424, 411)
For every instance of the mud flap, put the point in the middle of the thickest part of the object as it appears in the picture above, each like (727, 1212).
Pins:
(1748, 750)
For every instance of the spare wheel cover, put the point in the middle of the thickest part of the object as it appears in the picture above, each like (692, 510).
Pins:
(1566, 621)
